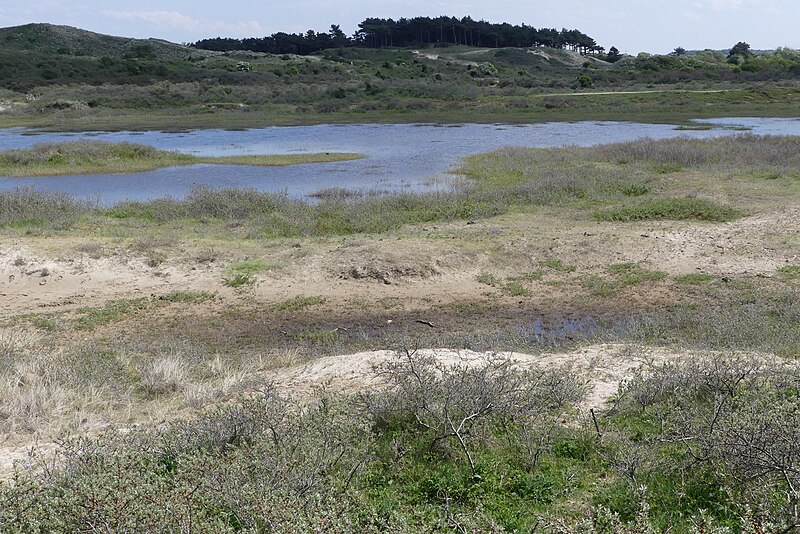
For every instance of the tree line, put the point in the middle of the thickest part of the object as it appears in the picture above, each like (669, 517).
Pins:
(417, 31)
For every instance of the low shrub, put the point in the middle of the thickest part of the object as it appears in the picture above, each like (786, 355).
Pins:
(675, 209)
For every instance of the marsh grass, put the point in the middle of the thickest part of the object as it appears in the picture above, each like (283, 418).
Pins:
(28, 209)
(622, 275)
(614, 175)
(281, 160)
(96, 157)
(611, 183)
(732, 316)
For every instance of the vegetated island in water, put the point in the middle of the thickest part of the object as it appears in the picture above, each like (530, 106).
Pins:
(99, 157)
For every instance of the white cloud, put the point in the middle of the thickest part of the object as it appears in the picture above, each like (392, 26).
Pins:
(179, 21)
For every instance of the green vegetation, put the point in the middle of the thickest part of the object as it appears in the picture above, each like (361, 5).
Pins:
(488, 279)
(298, 303)
(64, 78)
(675, 209)
(705, 441)
(189, 296)
(630, 274)
(244, 273)
(416, 32)
(113, 311)
(95, 157)
(555, 264)
(790, 272)
(736, 316)
(488, 448)
(515, 288)
(622, 275)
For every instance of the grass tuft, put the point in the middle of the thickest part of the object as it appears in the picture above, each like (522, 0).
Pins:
(557, 265)
(192, 297)
(487, 279)
(244, 273)
(299, 302)
(516, 289)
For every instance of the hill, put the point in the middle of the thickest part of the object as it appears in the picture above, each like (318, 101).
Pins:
(39, 55)
(69, 41)
(59, 74)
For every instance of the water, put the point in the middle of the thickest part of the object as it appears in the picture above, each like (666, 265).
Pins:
(400, 157)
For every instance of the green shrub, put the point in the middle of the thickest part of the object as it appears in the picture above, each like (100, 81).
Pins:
(676, 209)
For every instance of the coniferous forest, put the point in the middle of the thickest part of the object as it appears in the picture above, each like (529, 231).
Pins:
(379, 33)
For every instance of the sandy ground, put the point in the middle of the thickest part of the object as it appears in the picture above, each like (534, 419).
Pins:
(437, 264)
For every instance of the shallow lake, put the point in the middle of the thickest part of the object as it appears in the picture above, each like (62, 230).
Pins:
(400, 157)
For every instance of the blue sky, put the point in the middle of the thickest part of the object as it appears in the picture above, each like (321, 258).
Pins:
(630, 25)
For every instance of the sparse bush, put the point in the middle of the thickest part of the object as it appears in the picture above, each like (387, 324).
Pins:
(456, 402)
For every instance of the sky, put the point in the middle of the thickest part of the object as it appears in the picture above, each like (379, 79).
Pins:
(656, 26)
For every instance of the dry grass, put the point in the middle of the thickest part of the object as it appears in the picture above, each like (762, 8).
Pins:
(47, 390)
(164, 375)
